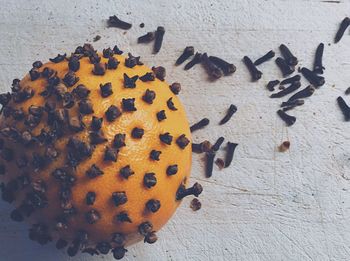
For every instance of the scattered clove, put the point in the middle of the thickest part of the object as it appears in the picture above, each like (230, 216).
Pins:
(344, 108)
(347, 91)
(284, 67)
(318, 67)
(195, 190)
(114, 21)
(307, 92)
(196, 60)
(254, 72)
(147, 38)
(187, 53)
(284, 146)
(293, 87)
(272, 84)
(159, 35)
(195, 204)
(201, 147)
(220, 163)
(342, 28)
(288, 119)
(230, 150)
(231, 110)
(199, 125)
(217, 144)
(268, 56)
(213, 71)
(289, 105)
(290, 59)
(226, 67)
(295, 78)
(312, 77)
(209, 164)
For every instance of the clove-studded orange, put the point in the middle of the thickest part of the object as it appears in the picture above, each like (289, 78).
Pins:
(95, 151)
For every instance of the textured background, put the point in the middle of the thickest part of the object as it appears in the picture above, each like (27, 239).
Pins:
(268, 205)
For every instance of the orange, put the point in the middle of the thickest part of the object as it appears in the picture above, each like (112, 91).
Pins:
(135, 154)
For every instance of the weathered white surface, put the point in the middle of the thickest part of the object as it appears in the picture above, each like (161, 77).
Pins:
(269, 205)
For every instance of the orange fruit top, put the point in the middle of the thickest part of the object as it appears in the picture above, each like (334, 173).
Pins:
(60, 159)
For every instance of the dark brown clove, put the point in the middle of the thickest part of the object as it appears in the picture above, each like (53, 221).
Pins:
(284, 67)
(147, 38)
(226, 67)
(199, 125)
(210, 156)
(175, 88)
(147, 77)
(153, 205)
(166, 138)
(284, 146)
(171, 104)
(119, 140)
(344, 108)
(292, 88)
(90, 198)
(114, 21)
(155, 154)
(230, 112)
(195, 190)
(342, 28)
(132, 61)
(118, 239)
(149, 96)
(196, 60)
(112, 113)
(103, 247)
(159, 35)
(187, 53)
(290, 59)
(151, 238)
(307, 92)
(312, 77)
(295, 78)
(182, 141)
(92, 216)
(161, 115)
(220, 163)
(172, 170)
(137, 133)
(213, 71)
(268, 56)
(145, 228)
(149, 180)
(123, 217)
(289, 105)
(230, 150)
(159, 72)
(112, 63)
(195, 204)
(110, 154)
(318, 67)
(347, 91)
(126, 172)
(119, 198)
(128, 104)
(288, 119)
(217, 144)
(106, 89)
(254, 72)
(93, 172)
(272, 84)
(119, 252)
(59, 58)
(201, 147)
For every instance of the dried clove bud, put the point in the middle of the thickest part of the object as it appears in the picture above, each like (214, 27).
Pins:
(210, 156)
(344, 108)
(226, 67)
(230, 112)
(187, 53)
(147, 38)
(166, 138)
(106, 89)
(172, 170)
(312, 77)
(90, 198)
(318, 67)
(92, 216)
(307, 92)
(266, 57)
(196, 60)
(195, 204)
(126, 172)
(292, 88)
(175, 88)
(151, 238)
(159, 72)
(342, 28)
(59, 58)
(123, 217)
(153, 205)
(94, 171)
(99, 69)
(110, 154)
(130, 82)
(254, 72)
(119, 198)
(201, 147)
(155, 154)
(159, 35)
(290, 59)
(182, 141)
(288, 119)
(137, 133)
(195, 190)
(161, 115)
(74, 63)
(213, 71)
(112, 63)
(149, 96)
(128, 104)
(114, 21)
(284, 67)
(199, 125)
(119, 252)
(230, 150)
(171, 105)
(112, 113)
(149, 180)
(132, 61)
(147, 77)
(295, 78)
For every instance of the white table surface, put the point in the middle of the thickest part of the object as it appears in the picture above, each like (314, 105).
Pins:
(268, 205)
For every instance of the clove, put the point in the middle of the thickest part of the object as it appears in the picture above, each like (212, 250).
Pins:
(312, 77)
(288, 119)
(284, 67)
(147, 38)
(289, 105)
(254, 72)
(213, 71)
(199, 125)
(284, 146)
(318, 67)
(290, 59)
(307, 92)
(293, 87)
(114, 21)
(230, 150)
(195, 190)
(226, 67)
(342, 28)
(272, 84)
(196, 60)
(159, 35)
(295, 78)
(201, 147)
(187, 53)
(344, 108)
(217, 144)
(209, 164)
(268, 56)
(231, 110)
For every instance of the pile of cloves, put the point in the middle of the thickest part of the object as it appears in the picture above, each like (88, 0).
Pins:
(214, 66)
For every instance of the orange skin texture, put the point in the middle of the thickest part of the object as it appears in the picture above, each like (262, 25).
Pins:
(136, 154)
